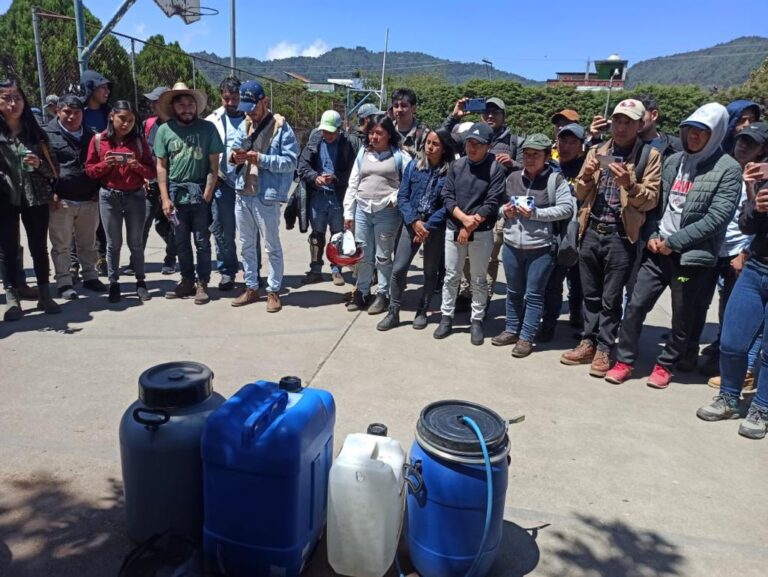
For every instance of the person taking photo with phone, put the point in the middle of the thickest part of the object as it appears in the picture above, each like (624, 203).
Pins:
(618, 184)
(120, 159)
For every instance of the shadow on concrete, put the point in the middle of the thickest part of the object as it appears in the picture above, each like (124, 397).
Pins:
(46, 529)
(312, 298)
(597, 548)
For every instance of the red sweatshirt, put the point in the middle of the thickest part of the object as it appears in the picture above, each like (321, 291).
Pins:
(121, 177)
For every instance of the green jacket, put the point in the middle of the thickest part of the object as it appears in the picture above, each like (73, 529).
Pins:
(709, 208)
(25, 188)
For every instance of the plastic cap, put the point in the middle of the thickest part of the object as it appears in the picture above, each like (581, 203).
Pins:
(378, 429)
(290, 384)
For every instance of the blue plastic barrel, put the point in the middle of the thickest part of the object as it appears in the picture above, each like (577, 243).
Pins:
(447, 494)
(267, 453)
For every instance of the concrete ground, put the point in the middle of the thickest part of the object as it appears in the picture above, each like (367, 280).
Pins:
(604, 481)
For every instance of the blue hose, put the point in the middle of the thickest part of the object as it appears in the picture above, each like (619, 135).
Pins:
(489, 506)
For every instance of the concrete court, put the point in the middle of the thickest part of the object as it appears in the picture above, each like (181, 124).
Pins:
(605, 481)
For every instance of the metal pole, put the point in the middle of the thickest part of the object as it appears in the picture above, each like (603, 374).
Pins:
(39, 56)
(383, 68)
(133, 74)
(82, 58)
(608, 98)
(102, 34)
(232, 43)
(194, 74)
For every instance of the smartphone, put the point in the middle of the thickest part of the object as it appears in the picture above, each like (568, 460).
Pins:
(174, 218)
(606, 159)
(760, 170)
(122, 157)
(475, 105)
(528, 202)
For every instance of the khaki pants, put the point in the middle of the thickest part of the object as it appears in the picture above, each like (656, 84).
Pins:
(78, 219)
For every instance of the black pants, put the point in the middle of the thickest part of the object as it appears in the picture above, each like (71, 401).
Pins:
(722, 270)
(35, 219)
(605, 263)
(407, 249)
(553, 296)
(656, 274)
(21, 278)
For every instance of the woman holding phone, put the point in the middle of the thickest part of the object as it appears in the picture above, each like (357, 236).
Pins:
(26, 169)
(120, 159)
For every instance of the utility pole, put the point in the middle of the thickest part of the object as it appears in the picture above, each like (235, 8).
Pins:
(82, 61)
(382, 95)
(488, 64)
(232, 43)
(39, 56)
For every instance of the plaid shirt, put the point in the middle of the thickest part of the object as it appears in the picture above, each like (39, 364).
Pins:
(607, 207)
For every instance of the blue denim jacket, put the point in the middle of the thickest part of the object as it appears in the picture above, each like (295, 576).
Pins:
(416, 187)
(277, 165)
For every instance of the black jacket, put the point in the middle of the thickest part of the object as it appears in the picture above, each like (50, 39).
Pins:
(474, 189)
(310, 165)
(73, 184)
(755, 223)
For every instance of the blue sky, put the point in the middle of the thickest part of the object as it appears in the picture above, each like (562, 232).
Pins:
(533, 39)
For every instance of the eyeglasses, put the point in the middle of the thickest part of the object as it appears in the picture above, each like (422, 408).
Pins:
(11, 98)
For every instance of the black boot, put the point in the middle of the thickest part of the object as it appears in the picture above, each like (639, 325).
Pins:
(476, 333)
(391, 320)
(420, 320)
(444, 329)
(45, 302)
(12, 305)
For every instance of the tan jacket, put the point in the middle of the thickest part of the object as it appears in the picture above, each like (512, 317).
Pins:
(644, 197)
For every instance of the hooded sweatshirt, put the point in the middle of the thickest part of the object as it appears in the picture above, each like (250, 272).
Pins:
(714, 116)
(735, 110)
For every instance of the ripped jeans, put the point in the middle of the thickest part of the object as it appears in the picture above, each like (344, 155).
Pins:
(377, 233)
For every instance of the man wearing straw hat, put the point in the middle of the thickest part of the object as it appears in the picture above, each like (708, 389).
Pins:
(187, 150)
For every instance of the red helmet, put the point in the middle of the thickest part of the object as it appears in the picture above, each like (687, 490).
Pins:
(333, 252)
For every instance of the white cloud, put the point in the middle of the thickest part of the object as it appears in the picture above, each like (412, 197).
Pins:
(315, 49)
(285, 49)
(140, 29)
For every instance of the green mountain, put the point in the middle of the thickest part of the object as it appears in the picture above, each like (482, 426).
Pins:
(350, 63)
(721, 66)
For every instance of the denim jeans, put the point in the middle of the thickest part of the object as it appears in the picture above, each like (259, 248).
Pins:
(479, 251)
(223, 229)
(376, 232)
(115, 207)
(527, 273)
(745, 316)
(325, 212)
(258, 218)
(194, 219)
(434, 247)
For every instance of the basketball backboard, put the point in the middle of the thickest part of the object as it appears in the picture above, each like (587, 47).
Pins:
(187, 10)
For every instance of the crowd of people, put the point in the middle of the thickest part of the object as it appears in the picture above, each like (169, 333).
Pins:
(617, 211)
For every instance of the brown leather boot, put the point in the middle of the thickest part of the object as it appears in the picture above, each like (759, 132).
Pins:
(601, 364)
(581, 355)
(247, 297)
(273, 302)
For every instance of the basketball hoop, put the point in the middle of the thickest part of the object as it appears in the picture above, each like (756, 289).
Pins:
(188, 10)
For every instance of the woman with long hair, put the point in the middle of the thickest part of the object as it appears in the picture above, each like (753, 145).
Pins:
(26, 171)
(120, 159)
(421, 204)
(370, 208)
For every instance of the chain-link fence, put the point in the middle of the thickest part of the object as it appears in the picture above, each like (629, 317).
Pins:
(136, 66)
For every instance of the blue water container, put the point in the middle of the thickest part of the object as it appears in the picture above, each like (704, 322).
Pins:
(448, 490)
(267, 453)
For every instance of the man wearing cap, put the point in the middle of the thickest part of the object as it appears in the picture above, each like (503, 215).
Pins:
(325, 165)
(227, 120)
(359, 133)
(412, 130)
(163, 228)
(666, 144)
(51, 102)
(74, 209)
(614, 200)
(266, 152)
(565, 116)
(187, 150)
(701, 189)
(472, 194)
(570, 143)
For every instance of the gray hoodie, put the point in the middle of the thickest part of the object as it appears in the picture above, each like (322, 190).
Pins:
(714, 116)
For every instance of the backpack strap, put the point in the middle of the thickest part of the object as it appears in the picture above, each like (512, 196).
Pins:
(150, 122)
(645, 152)
(47, 155)
(552, 187)
(398, 156)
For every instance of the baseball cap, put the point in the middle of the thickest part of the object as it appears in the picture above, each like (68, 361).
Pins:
(695, 124)
(156, 93)
(51, 99)
(498, 102)
(630, 108)
(567, 113)
(757, 131)
(251, 93)
(367, 110)
(537, 142)
(576, 129)
(479, 132)
(330, 121)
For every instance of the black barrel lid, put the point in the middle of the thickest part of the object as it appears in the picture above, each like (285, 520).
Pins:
(290, 384)
(175, 384)
(441, 428)
(378, 429)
